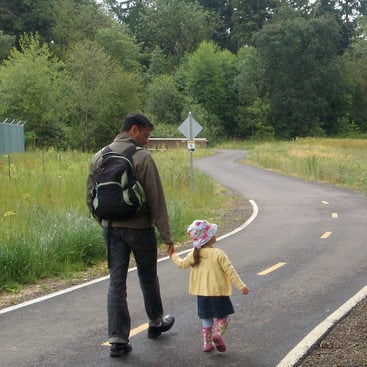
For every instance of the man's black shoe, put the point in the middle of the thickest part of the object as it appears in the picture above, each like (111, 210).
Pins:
(165, 325)
(120, 349)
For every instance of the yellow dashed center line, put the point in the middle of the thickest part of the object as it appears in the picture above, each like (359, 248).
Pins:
(272, 268)
(326, 235)
(133, 332)
(325, 202)
(139, 329)
(334, 215)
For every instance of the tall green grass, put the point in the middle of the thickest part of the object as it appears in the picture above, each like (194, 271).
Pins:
(341, 162)
(45, 227)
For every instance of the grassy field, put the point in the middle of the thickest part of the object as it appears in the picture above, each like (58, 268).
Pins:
(45, 227)
(341, 162)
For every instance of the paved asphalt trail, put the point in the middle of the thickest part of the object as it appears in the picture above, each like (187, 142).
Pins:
(314, 276)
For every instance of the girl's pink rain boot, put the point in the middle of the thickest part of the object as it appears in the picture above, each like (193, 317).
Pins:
(220, 328)
(208, 343)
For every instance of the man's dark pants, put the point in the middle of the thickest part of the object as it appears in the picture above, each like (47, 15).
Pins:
(143, 244)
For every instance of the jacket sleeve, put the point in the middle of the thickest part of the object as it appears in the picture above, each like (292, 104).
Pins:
(182, 263)
(148, 175)
(230, 271)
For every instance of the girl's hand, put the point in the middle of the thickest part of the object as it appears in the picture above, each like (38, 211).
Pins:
(245, 290)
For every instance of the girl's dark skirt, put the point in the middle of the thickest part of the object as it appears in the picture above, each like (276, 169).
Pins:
(214, 307)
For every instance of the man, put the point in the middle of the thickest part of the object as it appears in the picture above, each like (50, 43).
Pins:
(135, 234)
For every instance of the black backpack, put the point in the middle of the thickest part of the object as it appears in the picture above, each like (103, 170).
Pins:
(117, 193)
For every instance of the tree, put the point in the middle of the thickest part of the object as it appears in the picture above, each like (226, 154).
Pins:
(175, 26)
(248, 17)
(346, 12)
(31, 90)
(224, 12)
(253, 106)
(207, 78)
(76, 20)
(355, 61)
(158, 64)
(57, 22)
(23, 16)
(164, 102)
(122, 8)
(6, 44)
(120, 45)
(100, 94)
(303, 75)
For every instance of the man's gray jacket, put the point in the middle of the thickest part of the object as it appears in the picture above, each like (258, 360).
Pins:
(154, 211)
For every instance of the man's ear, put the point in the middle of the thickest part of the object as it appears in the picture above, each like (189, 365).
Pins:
(134, 131)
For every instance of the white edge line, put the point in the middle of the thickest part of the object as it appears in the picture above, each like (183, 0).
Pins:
(71, 289)
(55, 294)
(255, 211)
(51, 295)
(302, 348)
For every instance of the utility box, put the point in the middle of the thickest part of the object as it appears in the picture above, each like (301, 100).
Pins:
(12, 137)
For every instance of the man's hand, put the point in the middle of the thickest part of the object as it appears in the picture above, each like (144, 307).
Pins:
(170, 249)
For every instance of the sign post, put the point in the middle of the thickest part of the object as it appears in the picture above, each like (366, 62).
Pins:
(190, 129)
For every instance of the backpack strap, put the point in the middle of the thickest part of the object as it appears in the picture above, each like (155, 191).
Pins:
(106, 149)
(130, 151)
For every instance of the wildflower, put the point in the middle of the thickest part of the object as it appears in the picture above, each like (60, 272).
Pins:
(9, 214)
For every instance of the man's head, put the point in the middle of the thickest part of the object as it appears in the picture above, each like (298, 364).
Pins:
(138, 127)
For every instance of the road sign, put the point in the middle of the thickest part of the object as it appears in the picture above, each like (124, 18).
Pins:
(190, 128)
(191, 145)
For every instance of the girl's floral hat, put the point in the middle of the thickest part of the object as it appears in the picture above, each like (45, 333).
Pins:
(201, 232)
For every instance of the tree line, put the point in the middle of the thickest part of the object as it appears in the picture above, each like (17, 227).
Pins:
(245, 68)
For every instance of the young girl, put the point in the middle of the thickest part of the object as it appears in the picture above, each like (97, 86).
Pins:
(211, 278)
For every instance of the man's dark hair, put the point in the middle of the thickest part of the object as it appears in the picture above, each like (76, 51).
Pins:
(136, 119)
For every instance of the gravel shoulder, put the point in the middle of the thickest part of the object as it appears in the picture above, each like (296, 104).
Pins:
(346, 343)
(344, 346)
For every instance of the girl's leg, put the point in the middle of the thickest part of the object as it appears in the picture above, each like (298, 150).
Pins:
(207, 327)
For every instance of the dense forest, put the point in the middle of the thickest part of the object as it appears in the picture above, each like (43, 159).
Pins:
(72, 69)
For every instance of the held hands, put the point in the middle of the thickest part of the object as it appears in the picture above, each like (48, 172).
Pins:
(245, 290)
(170, 249)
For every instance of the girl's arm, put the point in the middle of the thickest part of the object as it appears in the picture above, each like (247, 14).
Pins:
(232, 274)
(182, 263)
